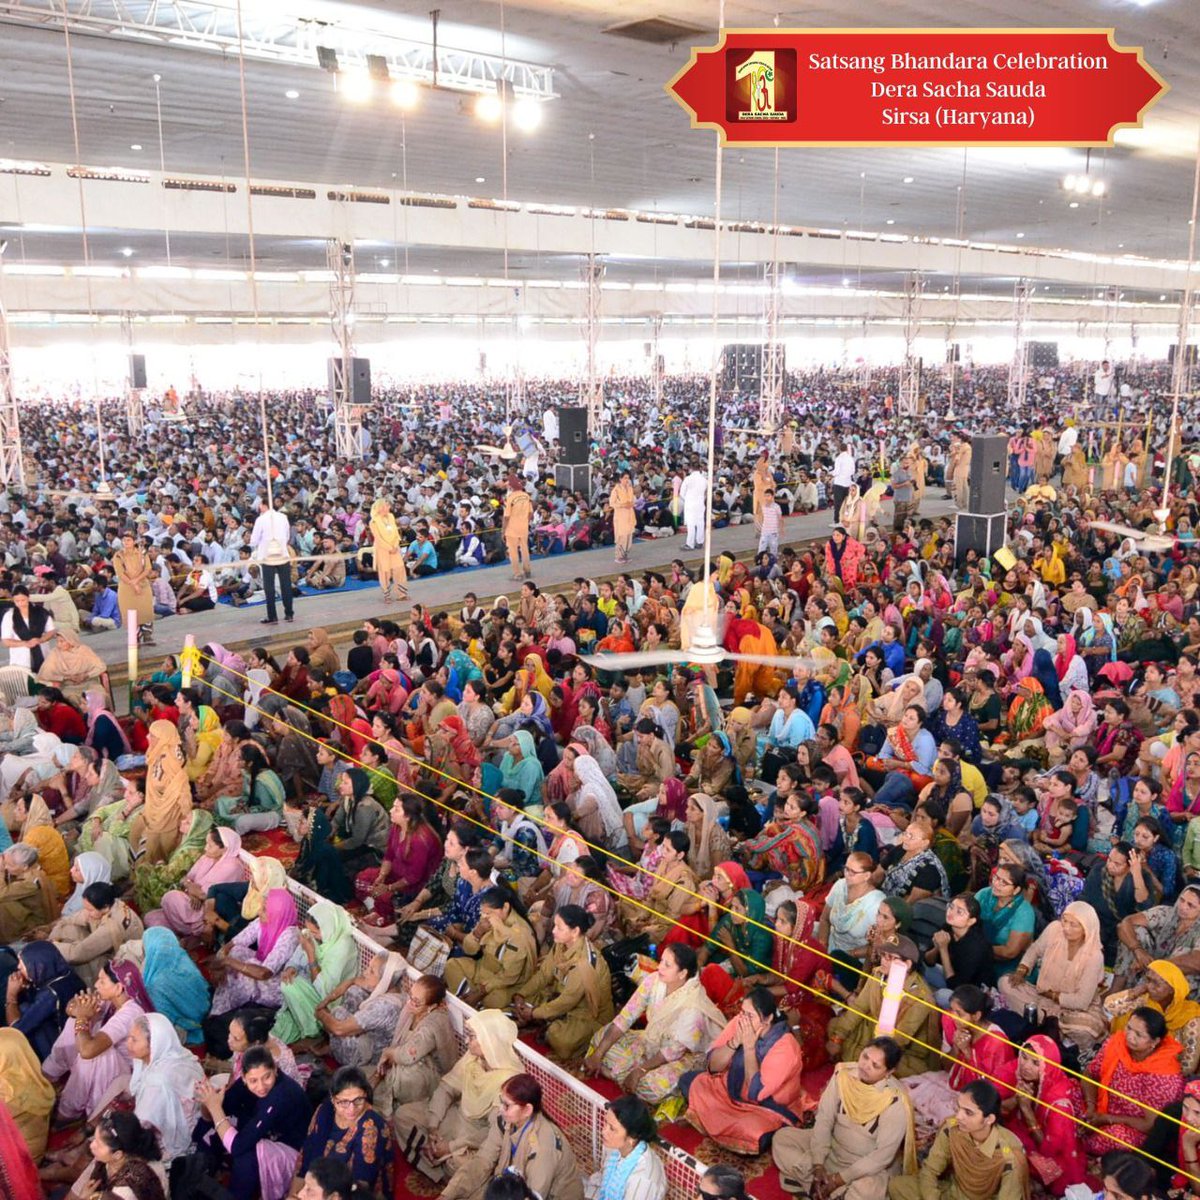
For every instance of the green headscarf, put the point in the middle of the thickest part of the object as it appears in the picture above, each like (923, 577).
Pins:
(336, 952)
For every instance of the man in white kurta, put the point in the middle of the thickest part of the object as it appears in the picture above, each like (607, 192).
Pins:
(862, 1135)
(693, 495)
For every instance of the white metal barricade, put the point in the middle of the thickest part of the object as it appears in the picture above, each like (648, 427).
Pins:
(576, 1108)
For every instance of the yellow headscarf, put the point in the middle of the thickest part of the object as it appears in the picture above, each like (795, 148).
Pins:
(479, 1080)
(865, 1102)
(266, 874)
(168, 792)
(27, 1093)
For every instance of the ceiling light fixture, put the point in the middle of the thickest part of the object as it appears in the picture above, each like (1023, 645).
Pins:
(1073, 204)
(890, 221)
(356, 86)
(405, 94)
(908, 179)
(1020, 235)
(136, 146)
(127, 251)
(488, 108)
(291, 94)
(480, 179)
(527, 115)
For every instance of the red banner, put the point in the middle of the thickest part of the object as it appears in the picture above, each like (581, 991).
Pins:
(917, 87)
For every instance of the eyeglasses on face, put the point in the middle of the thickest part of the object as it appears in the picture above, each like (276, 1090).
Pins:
(350, 1101)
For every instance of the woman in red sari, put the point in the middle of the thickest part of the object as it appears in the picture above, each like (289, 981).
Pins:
(1043, 1115)
(750, 1086)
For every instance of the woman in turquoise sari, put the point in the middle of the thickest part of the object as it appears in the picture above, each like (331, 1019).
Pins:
(328, 956)
(463, 665)
(174, 983)
(519, 768)
(260, 806)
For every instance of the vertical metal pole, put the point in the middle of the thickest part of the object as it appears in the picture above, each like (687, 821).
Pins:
(131, 649)
(656, 363)
(12, 461)
(1181, 376)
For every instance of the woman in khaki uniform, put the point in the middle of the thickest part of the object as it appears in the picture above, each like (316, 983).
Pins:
(621, 500)
(571, 990)
(521, 1139)
(500, 954)
(389, 554)
(134, 570)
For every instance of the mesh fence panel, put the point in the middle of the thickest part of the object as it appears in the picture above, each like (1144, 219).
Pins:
(577, 1109)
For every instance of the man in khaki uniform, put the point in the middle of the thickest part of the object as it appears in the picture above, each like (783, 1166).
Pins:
(524, 1141)
(863, 1134)
(518, 509)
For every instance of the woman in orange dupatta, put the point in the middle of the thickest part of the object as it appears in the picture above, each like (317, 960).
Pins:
(1138, 1070)
(750, 636)
(618, 640)
(1027, 713)
(738, 1108)
(843, 707)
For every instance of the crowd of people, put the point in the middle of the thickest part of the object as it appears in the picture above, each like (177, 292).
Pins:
(904, 902)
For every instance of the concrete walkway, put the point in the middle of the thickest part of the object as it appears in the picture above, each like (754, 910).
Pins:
(343, 612)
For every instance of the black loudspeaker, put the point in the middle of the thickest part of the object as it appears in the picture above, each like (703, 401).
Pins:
(954, 352)
(982, 533)
(989, 466)
(137, 371)
(573, 434)
(359, 391)
(360, 381)
(741, 368)
(1043, 356)
(1191, 354)
(573, 477)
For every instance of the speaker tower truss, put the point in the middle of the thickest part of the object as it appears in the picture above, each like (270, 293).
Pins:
(347, 423)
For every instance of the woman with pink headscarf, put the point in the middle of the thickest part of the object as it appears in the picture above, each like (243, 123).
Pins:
(249, 968)
(220, 862)
(104, 732)
(1071, 727)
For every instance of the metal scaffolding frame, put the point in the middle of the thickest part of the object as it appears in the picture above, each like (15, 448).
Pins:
(1018, 367)
(591, 390)
(135, 410)
(1112, 312)
(12, 461)
(770, 396)
(347, 424)
(656, 361)
(212, 25)
(909, 391)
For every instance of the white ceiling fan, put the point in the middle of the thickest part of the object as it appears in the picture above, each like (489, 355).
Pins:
(1143, 538)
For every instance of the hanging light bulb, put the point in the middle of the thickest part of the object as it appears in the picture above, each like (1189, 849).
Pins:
(527, 115)
(488, 107)
(1068, 183)
(1098, 188)
(356, 86)
(405, 94)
